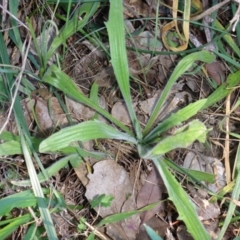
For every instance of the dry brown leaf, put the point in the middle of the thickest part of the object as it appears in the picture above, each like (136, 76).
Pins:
(80, 112)
(150, 192)
(208, 164)
(111, 179)
(133, 8)
(216, 72)
(28, 106)
(58, 116)
(43, 118)
(120, 112)
(205, 209)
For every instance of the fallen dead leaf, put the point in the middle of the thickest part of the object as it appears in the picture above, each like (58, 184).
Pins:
(111, 179)
(208, 164)
(150, 192)
(120, 112)
(205, 209)
(80, 112)
(215, 71)
(43, 118)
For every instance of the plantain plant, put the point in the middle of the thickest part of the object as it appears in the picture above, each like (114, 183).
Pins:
(148, 141)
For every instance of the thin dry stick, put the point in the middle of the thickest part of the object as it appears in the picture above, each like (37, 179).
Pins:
(136, 178)
(226, 149)
(236, 17)
(10, 14)
(18, 80)
(210, 10)
(95, 231)
(4, 5)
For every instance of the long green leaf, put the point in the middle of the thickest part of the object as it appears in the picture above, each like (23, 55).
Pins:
(78, 21)
(55, 77)
(116, 33)
(182, 67)
(185, 136)
(42, 204)
(123, 215)
(13, 146)
(52, 170)
(10, 228)
(82, 132)
(21, 200)
(227, 37)
(235, 196)
(10, 148)
(226, 88)
(175, 119)
(185, 207)
(194, 175)
(13, 7)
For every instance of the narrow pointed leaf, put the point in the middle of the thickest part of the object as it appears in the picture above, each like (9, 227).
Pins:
(10, 228)
(82, 132)
(185, 136)
(52, 170)
(116, 33)
(185, 207)
(176, 119)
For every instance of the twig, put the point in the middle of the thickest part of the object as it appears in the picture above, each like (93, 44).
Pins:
(209, 11)
(95, 231)
(236, 17)
(9, 13)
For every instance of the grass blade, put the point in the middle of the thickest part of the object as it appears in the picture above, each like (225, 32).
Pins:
(175, 119)
(21, 199)
(10, 228)
(115, 28)
(234, 197)
(186, 209)
(42, 204)
(85, 12)
(52, 170)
